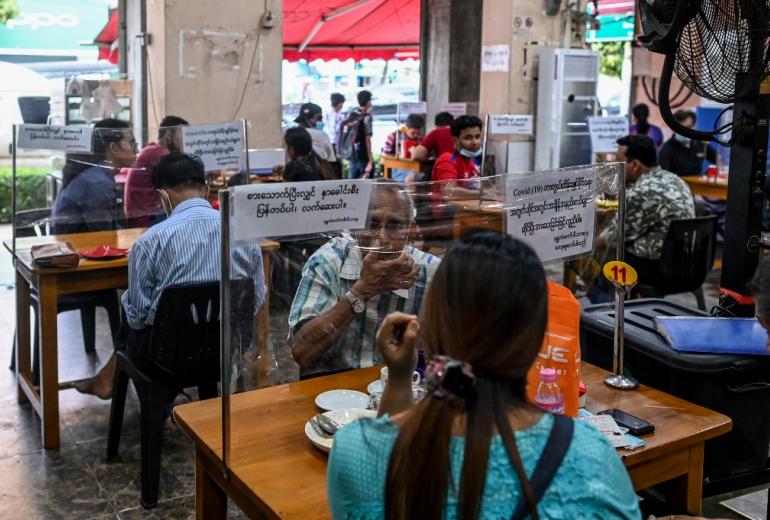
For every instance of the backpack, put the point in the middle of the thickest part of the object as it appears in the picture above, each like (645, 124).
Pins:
(351, 131)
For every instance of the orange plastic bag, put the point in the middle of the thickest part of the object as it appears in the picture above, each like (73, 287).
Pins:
(561, 347)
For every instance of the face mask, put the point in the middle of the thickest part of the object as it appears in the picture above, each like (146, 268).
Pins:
(319, 125)
(682, 139)
(469, 154)
(164, 195)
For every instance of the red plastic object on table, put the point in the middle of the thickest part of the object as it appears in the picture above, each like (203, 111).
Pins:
(103, 253)
(712, 172)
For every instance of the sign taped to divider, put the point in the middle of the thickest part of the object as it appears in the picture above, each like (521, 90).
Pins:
(413, 107)
(553, 211)
(511, 124)
(71, 138)
(456, 109)
(290, 209)
(220, 147)
(605, 132)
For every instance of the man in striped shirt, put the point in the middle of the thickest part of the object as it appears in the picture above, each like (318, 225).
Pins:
(352, 282)
(181, 250)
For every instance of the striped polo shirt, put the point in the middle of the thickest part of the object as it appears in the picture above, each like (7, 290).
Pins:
(326, 277)
(183, 250)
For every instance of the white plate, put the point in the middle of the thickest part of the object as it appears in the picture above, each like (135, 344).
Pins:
(342, 417)
(376, 387)
(341, 400)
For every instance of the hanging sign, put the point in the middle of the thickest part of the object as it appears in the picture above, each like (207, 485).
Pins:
(605, 132)
(220, 147)
(553, 211)
(73, 138)
(413, 107)
(289, 209)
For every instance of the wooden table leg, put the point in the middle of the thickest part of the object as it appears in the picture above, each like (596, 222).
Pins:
(685, 494)
(210, 499)
(22, 350)
(49, 361)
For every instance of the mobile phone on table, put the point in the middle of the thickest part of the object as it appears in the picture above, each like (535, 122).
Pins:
(633, 424)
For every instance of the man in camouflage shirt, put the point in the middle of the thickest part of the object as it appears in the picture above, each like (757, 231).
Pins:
(654, 197)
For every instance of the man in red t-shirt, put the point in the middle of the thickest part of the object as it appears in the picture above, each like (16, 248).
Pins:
(439, 141)
(460, 165)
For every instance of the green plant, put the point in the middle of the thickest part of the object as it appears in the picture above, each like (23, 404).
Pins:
(611, 57)
(8, 9)
(30, 190)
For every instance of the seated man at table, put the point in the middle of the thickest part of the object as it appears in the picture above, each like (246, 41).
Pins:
(142, 201)
(181, 250)
(350, 284)
(654, 197)
(88, 200)
(438, 141)
(460, 165)
(411, 131)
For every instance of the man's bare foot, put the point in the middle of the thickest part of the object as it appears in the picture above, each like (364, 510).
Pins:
(95, 386)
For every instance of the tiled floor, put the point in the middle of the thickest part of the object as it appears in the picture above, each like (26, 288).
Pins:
(75, 482)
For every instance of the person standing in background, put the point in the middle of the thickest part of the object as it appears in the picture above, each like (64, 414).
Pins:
(641, 114)
(333, 119)
(362, 162)
(142, 201)
(311, 119)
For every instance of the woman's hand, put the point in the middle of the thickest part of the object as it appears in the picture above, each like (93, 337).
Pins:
(396, 341)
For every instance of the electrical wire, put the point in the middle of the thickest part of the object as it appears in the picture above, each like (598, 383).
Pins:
(251, 68)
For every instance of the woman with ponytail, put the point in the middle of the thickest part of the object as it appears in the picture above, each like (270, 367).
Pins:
(474, 448)
(641, 113)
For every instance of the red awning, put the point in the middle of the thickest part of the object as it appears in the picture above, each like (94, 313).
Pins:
(617, 6)
(344, 29)
(108, 39)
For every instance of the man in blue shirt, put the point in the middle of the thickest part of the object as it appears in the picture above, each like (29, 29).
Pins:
(87, 201)
(181, 250)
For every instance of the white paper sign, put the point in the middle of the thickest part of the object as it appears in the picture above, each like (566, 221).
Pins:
(264, 159)
(288, 209)
(605, 132)
(495, 58)
(553, 211)
(73, 138)
(511, 124)
(456, 109)
(413, 107)
(220, 147)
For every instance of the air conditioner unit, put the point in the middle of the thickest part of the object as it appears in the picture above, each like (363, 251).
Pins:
(566, 97)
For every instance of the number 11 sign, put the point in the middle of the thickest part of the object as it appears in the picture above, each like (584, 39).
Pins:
(624, 278)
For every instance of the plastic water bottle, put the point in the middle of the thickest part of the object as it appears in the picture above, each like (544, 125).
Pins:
(548, 396)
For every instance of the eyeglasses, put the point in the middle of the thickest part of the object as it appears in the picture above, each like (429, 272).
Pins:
(391, 227)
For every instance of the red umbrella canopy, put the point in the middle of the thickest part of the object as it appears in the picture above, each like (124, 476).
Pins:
(358, 29)
(108, 39)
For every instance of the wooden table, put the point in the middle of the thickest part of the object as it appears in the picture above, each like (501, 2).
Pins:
(50, 283)
(706, 188)
(390, 162)
(475, 214)
(276, 472)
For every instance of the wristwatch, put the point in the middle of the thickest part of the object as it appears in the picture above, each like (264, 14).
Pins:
(356, 303)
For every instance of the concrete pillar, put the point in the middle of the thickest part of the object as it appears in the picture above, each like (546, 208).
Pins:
(213, 63)
(451, 46)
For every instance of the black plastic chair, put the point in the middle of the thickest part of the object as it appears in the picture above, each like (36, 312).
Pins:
(182, 351)
(37, 222)
(686, 259)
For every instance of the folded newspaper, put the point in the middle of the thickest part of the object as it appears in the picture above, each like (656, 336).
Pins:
(55, 254)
